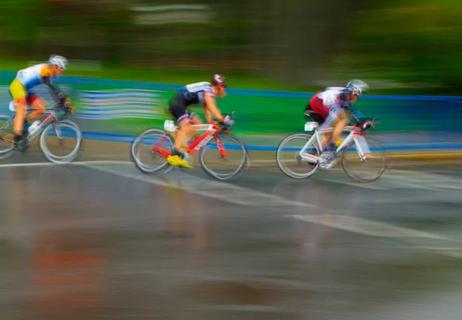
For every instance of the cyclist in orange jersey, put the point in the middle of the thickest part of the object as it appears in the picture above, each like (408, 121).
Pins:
(20, 91)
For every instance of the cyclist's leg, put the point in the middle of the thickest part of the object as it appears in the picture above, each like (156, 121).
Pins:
(323, 112)
(339, 119)
(178, 109)
(330, 121)
(184, 130)
(342, 120)
(195, 119)
(19, 94)
(38, 106)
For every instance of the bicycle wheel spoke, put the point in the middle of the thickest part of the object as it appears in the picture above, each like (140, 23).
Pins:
(150, 150)
(292, 161)
(6, 138)
(224, 157)
(60, 141)
(368, 168)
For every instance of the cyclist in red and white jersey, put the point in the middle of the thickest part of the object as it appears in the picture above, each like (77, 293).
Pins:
(333, 105)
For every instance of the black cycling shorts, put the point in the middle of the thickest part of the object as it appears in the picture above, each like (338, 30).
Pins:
(178, 108)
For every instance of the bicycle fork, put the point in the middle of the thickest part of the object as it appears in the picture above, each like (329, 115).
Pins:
(221, 148)
(362, 147)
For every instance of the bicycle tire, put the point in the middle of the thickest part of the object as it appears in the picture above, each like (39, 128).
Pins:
(68, 141)
(6, 142)
(224, 168)
(144, 143)
(290, 154)
(374, 165)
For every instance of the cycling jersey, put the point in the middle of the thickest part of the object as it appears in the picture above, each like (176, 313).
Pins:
(33, 76)
(190, 94)
(334, 98)
(329, 102)
(195, 92)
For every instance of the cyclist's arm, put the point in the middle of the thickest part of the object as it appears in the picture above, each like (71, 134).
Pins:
(211, 107)
(356, 115)
(208, 115)
(55, 91)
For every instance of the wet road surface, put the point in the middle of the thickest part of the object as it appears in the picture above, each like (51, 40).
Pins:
(99, 240)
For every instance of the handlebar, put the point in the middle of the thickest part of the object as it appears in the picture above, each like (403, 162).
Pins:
(64, 105)
(366, 124)
(226, 127)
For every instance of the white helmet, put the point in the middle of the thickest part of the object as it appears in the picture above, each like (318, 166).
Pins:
(357, 86)
(59, 61)
(218, 80)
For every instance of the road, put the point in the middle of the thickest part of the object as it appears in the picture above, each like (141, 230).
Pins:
(99, 240)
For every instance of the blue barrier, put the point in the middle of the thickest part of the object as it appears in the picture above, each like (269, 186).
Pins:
(73, 80)
(105, 136)
(396, 113)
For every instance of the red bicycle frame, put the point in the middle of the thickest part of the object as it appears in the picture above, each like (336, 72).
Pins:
(199, 142)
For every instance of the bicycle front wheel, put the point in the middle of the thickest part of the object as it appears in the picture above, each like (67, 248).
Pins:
(60, 141)
(149, 151)
(223, 157)
(6, 138)
(368, 169)
(292, 161)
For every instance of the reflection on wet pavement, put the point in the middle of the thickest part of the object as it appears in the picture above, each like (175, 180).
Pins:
(102, 241)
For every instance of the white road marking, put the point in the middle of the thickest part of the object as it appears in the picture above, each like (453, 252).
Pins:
(244, 196)
(365, 226)
(49, 164)
(445, 251)
(29, 164)
(205, 187)
(371, 186)
(426, 181)
(248, 197)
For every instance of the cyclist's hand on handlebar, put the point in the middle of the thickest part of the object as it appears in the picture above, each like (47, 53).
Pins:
(68, 106)
(367, 123)
(226, 123)
(228, 120)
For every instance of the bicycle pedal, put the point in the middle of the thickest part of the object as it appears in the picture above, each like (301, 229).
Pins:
(328, 164)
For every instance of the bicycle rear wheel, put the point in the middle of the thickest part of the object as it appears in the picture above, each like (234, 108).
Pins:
(365, 170)
(60, 141)
(290, 160)
(6, 138)
(150, 149)
(223, 157)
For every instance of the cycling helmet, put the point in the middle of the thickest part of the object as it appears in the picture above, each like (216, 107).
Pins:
(218, 80)
(357, 87)
(59, 61)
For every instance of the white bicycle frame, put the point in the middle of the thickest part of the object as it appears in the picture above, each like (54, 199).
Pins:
(354, 135)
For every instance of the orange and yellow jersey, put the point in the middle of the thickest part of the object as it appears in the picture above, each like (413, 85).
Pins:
(33, 76)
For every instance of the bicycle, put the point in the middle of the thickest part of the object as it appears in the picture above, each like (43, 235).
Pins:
(60, 138)
(298, 155)
(221, 155)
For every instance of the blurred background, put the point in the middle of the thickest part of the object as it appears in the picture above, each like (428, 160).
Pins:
(407, 50)
(102, 240)
(406, 45)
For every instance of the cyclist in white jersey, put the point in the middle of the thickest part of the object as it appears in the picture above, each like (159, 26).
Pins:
(333, 107)
(199, 93)
(20, 91)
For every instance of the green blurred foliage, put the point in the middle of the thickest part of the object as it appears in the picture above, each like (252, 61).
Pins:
(397, 46)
